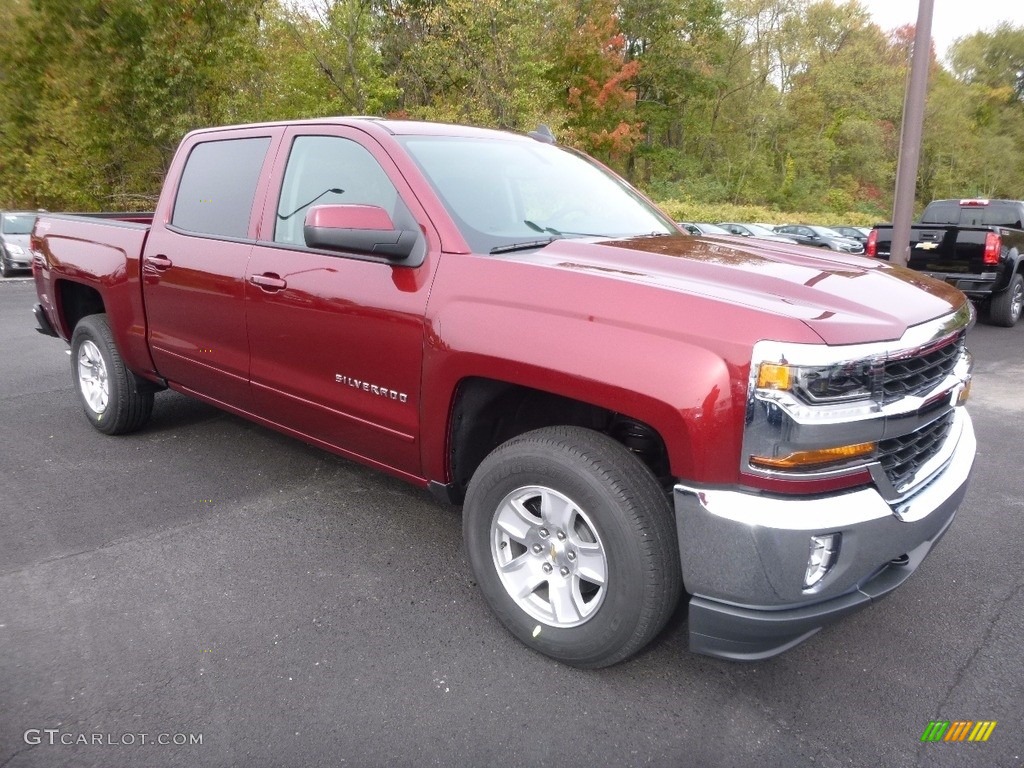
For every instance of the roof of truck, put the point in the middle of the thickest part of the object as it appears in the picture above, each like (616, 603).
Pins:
(386, 125)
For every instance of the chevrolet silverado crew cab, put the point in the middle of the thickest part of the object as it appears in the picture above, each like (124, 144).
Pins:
(976, 245)
(628, 415)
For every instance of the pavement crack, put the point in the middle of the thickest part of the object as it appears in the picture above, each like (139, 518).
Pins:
(33, 394)
(21, 751)
(958, 678)
(111, 544)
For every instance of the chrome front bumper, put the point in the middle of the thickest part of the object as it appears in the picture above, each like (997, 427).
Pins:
(744, 554)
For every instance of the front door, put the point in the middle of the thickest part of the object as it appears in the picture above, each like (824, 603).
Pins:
(337, 338)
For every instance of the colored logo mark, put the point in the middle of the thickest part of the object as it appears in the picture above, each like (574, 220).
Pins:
(958, 730)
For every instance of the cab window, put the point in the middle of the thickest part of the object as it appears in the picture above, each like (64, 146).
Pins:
(218, 186)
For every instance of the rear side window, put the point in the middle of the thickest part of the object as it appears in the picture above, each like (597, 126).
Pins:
(992, 214)
(1001, 215)
(947, 212)
(218, 186)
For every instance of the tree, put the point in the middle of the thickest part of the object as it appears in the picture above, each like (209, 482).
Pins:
(594, 77)
(992, 59)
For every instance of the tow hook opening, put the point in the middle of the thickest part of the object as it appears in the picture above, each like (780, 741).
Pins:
(902, 560)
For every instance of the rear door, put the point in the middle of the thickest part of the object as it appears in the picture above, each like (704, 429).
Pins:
(194, 265)
(337, 337)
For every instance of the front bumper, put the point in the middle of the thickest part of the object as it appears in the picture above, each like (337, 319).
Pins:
(744, 555)
(21, 260)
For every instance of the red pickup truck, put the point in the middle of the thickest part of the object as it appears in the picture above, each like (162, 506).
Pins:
(626, 413)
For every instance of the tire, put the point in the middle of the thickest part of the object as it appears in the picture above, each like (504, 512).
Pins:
(114, 401)
(1005, 307)
(572, 542)
(5, 270)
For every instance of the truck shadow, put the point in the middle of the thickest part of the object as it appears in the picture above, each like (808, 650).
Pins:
(174, 411)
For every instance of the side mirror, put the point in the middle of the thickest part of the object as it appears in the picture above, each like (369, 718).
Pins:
(358, 228)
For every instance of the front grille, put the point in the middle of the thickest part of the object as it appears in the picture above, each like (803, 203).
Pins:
(901, 457)
(918, 374)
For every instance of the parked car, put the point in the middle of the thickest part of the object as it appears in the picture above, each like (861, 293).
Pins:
(820, 237)
(755, 230)
(703, 228)
(975, 245)
(860, 234)
(15, 228)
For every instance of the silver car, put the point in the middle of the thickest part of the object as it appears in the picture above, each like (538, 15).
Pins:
(820, 237)
(15, 228)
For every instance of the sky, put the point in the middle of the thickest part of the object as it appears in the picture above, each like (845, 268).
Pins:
(950, 18)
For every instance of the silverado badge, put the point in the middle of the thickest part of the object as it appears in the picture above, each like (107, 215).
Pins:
(373, 389)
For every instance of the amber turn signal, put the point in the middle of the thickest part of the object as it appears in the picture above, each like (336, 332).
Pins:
(964, 393)
(772, 376)
(816, 458)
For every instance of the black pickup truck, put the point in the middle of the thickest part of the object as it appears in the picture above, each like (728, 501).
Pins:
(975, 245)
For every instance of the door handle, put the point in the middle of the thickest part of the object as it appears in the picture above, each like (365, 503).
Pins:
(159, 262)
(268, 282)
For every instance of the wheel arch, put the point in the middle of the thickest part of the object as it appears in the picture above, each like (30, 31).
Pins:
(74, 301)
(487, 412)
(694, 435)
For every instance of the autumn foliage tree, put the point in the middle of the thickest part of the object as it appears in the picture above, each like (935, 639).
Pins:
(595, 79)
(791, 104)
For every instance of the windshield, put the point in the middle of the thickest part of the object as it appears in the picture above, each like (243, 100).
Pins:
(505, 193)
(18, 224)
(713, 229)
(760, 231)
(825, 232)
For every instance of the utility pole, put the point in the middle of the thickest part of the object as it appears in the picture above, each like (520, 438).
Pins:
(910, 135)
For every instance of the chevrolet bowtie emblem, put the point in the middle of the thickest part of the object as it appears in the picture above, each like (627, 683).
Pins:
(927, 246)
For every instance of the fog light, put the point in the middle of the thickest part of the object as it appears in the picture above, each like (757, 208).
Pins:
(824, 553)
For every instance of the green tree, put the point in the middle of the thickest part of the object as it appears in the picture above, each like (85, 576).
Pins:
(992, 59)
(476, 61)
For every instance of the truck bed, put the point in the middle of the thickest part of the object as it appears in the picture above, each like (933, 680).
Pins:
(975, 245)
(969, 258)
(103, 252)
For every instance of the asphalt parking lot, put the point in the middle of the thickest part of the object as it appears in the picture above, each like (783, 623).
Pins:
(207, 577)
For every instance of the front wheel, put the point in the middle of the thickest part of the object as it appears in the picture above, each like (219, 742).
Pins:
(114, 401)
(1006, 305)
(572, 542)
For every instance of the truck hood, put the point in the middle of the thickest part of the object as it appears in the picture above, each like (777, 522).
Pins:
(844, 299)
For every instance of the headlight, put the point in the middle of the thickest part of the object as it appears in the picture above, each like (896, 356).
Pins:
(15, 250)
(838, 383)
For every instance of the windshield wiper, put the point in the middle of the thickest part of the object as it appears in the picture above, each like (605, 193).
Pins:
(558, 232)
(525, 246)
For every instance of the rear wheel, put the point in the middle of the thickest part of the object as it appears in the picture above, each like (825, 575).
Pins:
(571, 540)
(114, 401)
(1005, 307)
